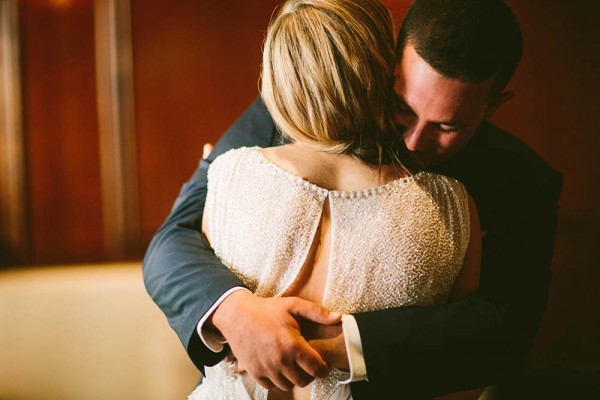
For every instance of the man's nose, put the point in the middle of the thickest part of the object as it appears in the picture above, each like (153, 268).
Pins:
(415, 137)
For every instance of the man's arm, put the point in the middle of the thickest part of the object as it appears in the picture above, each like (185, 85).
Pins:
(485, 337)
(186, 280)
(466, 344)
(181, 273)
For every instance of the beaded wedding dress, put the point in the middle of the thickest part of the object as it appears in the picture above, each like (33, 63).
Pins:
(399, 244)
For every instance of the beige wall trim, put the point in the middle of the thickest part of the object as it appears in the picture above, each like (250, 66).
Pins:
(116, 121)
(13, 228)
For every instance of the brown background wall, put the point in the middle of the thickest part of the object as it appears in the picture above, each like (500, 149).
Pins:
(196, 70)
(61, 135)
(554, 112)
(196, 66)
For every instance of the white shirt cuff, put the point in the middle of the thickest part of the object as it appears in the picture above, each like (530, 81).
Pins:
(356, 359)
(214, 341)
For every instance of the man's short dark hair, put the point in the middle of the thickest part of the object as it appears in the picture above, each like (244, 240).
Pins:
(469, 40)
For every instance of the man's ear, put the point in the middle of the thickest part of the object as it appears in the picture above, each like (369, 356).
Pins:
(498, 102)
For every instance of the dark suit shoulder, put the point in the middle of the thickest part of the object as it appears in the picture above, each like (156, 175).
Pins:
(254, 127)
(499, 169)
(508, 158)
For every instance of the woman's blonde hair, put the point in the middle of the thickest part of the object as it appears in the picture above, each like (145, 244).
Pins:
(328, 74)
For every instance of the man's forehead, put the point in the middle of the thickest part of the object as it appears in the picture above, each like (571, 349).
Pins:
(428, 92)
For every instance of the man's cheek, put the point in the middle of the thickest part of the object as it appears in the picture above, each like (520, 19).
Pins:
(453, 143)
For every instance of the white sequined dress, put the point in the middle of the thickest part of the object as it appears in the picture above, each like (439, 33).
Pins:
(399, 244)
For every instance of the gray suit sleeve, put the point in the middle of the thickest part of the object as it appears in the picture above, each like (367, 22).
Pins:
(181, 272)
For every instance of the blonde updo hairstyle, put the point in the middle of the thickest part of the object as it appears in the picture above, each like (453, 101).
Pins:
(327, 77)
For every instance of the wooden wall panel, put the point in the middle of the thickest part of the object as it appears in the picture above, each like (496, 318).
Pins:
(196, 66)
(557, 87)
(116, 124)
(398, 9)
(196, 69)
(57, 49)
(197, 63)
(13, 229)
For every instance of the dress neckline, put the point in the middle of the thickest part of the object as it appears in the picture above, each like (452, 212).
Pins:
(335, 193)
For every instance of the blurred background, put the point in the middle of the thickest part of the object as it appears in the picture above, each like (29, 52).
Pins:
(104, 108)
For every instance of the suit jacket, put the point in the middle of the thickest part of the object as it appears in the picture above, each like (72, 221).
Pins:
(413, 352)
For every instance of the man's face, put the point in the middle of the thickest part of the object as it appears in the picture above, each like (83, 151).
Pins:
(438, 115)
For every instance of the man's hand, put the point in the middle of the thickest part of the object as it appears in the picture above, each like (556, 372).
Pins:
(264, 334)
(328, 341)
(206, 150)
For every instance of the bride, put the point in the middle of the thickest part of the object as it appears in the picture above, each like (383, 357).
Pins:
(337, 216)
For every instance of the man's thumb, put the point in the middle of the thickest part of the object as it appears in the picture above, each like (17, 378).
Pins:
(206, 150)
(316, 313)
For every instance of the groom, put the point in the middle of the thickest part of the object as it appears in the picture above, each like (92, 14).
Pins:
(455, 59)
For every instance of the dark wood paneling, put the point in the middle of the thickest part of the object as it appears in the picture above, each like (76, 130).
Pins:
(116, 124)
(61, 130)
(557, 85)
(398, 9)
(13, 229)
(196, 69)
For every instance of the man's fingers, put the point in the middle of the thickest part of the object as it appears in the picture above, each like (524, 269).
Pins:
(230, 358)
(314, 312)
(278, 355)
(298, 376)
(312, 362)
(237, 367)
(283, 383)
(265, 382)
(206, 150)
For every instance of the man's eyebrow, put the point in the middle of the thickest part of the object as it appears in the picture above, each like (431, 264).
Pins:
(456, 124)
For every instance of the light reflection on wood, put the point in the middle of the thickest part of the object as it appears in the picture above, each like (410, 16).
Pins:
(13, 231)
(116, 122)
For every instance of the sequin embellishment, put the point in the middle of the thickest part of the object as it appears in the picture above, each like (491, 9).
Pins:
(402, 243)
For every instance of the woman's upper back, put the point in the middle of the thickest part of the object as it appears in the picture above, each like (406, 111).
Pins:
(409, 235)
